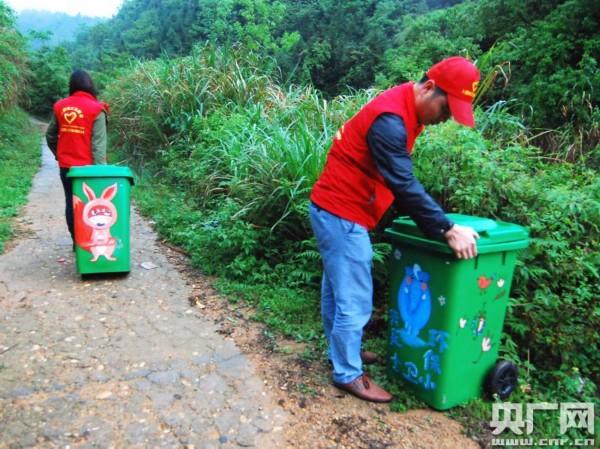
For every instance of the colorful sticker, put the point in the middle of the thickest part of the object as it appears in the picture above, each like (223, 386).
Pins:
(484, 282)
(93, 221)
(414, 303)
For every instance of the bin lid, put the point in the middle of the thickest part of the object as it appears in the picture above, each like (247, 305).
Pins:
(493, 235)
(101, 171)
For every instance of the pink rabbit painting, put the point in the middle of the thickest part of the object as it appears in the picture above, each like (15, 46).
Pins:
(93, 221)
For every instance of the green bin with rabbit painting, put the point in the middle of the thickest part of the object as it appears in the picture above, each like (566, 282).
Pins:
(101, 207)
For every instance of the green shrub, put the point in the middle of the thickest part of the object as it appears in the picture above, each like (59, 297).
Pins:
(554, 316)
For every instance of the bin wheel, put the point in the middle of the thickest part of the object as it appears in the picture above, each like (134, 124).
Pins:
(502, 380)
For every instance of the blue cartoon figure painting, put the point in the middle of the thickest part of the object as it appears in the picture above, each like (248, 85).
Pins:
(414, 303)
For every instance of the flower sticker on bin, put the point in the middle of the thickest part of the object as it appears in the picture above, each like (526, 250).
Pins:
(93, 221)
(484, 282)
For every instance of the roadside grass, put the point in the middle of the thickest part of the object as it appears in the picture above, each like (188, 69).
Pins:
(20, 158)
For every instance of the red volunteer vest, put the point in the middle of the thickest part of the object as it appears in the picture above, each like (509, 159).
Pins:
(75, 116)
(350, 186)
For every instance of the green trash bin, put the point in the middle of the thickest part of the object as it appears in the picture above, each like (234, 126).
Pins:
(101, 206)
(446, 314)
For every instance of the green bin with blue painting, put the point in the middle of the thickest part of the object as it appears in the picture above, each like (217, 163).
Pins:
(101, 207)
(446, 314)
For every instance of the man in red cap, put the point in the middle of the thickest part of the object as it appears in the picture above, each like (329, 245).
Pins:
(368, 167)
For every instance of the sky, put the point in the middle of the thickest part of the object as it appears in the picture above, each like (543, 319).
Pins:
(91, 8)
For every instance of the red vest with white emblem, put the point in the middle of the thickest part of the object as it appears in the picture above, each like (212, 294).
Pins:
(350, 186)
(75, 116)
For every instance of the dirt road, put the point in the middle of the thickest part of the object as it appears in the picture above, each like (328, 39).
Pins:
(115, 361)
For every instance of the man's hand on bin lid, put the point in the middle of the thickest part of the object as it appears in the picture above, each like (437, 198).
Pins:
(461, 240)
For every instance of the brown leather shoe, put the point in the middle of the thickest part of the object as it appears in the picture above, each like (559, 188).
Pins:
(368, 357)
(364, 388)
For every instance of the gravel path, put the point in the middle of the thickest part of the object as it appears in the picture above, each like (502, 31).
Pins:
(116, 361)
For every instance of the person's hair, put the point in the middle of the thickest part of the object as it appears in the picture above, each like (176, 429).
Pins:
(82, 81)
(437, 91)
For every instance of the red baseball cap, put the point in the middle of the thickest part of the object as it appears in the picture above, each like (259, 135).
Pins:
(458, 77)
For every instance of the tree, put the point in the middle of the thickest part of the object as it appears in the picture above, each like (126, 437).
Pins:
(341, 43)
(428, 38)
(554, 62)
(247, 22)
(50, 72)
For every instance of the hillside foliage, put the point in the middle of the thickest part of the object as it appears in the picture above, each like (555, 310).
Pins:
(52, 28)
(545, 65)
(13, 59)
(547, 52)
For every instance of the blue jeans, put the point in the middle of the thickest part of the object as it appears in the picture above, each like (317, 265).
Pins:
(347, 289)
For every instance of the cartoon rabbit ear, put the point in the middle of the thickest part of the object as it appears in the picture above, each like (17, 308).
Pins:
(91, 195)
(110, 192)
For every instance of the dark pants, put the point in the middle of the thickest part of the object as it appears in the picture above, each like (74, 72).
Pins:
(68, 187)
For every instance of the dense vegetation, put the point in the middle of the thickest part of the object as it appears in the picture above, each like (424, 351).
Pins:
(19, 140)
(13, 60)
(548, 50)
(226, 112)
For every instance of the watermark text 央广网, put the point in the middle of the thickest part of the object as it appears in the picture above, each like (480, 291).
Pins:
(573, 415)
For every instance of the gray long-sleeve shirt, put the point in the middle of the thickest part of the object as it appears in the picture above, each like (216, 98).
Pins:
(387, 139)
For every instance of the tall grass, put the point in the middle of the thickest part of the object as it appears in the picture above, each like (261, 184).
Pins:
(218, 126)
(167, 97)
